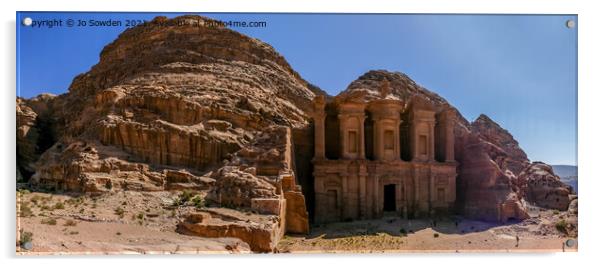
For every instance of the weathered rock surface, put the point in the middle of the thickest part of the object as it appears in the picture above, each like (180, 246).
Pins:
(35, 131)
(174, 105)
(27, 137)
(81, 167)
(545, 189)
(515, 159)
(261, 232)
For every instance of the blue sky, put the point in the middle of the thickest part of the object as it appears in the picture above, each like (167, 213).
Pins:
(519, 70)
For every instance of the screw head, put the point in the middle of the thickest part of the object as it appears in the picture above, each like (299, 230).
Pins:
(27, 21)
(570, 23)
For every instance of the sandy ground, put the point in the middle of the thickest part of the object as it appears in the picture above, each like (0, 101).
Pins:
(145, 222)
(383, 236)
(87, 225)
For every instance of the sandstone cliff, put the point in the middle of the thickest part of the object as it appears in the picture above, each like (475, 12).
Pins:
(173, 93)
(175, 105)
(35, 131)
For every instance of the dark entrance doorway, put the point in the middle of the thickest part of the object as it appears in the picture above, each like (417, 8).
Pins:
(389, 197)
(332, 206)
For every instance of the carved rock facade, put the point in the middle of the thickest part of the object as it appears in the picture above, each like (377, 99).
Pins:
(386, 156)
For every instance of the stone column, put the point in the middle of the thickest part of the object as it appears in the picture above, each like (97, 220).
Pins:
(431, 141)
(431, 189)
(344, 198)
(376, 189)
(362, 148)
(413, 140)
(406, 198)
(377, 146)
(342, 135)
(319, 127)
(449, 142)
(362, 173)
(396, 141)
(449, 121)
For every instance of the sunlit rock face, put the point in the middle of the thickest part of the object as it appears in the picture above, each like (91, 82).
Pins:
(174, 105)
(168, 107)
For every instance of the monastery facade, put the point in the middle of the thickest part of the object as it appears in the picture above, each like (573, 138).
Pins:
(382, 157)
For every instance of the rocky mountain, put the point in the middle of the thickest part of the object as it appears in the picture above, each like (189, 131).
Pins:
(168, 106)
(175, 105)
(184, 96)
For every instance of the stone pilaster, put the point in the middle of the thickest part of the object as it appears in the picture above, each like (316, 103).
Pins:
(362, 190)
(345, 197)
(319, 128)
(362, 148)
(431, 141)
(343, 135)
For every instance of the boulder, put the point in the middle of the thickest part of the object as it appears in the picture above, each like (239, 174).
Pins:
(545, 189)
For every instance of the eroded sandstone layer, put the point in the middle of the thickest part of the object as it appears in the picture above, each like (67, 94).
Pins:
(175, 105)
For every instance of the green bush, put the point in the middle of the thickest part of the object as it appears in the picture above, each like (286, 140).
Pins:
(198, 202)
(119, 211)
(186, 195)
(35, 199)
(49, 221)
(561, 226)
(59, 205)
(25, 210)
(23, 191)
(70, 223)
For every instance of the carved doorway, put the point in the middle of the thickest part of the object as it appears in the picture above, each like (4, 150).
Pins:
(389, 198)
(332, 205)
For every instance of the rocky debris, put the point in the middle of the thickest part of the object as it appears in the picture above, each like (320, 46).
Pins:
(184, 180)
(297, 217)
(235, 188)
(573, 207)
(80, 167)
(261, 232)
(545, 189)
